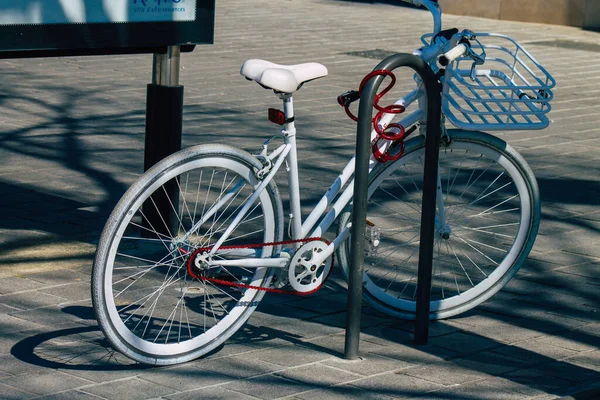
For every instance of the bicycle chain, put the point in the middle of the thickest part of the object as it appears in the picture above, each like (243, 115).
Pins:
(224, 282)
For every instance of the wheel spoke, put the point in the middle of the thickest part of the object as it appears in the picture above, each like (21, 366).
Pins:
(483, 192)
(154, 299)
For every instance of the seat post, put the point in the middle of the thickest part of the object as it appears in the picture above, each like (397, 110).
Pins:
(288, 111)
(289, 132)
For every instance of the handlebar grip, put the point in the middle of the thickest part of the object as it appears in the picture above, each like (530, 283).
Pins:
(453, 54)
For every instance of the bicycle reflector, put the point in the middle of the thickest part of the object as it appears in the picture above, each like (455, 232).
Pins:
(276, 116)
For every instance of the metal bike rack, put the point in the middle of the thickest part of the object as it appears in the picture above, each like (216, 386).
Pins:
(363, 148)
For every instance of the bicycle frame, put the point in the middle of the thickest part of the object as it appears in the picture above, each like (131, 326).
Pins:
(342, 188)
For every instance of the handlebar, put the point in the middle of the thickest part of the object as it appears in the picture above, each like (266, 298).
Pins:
(453, 54)
(463, 48)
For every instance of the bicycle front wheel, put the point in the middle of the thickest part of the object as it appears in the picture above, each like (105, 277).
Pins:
(147, 303)
(492, 211)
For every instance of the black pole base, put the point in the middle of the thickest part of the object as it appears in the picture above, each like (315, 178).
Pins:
(164, 124)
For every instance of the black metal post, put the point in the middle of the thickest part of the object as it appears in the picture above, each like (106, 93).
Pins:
(164, 108)
(365, 115)
(164, 125)
(359, 207)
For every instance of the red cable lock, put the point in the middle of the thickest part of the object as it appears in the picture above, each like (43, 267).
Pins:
(393, 132)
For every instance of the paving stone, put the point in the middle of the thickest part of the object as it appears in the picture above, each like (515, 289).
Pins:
(323, 304)
(60, 277)
(464, 343)
(130, 389)
(475, 390)
(368, 365)
(436, 328)
(10, 324)
(291, 356)
(589, 270)
(537, 380)
(267, 387)
(43, 383)
(13, 366)
(50, 316)
(237, 349)
(4, 309)
(549, 322)
(507, 385)
(285, 310)
(590, 251)
(72, 292)
(104, 368)
(238, 367)
(416, 354)
(17, 284)
(566, 371)
(588, 328)
(339, 320)
(318, 375)
(69, 395)
(572, 340)
(477, 318)
(397, 385)
(385, 335)
(185, 377)
(447, 373)
(527, 356)
(295, 328)
(542, 348)
(31, 300)
(343, 392)
(582, 286)
(507, 333)
(8, 341)
(11, 393)
(515, 306)
(562, 258)
(211, 393)
(336, 344)
(490, 362)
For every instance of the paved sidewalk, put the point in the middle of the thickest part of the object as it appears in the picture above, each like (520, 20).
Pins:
(71, 141)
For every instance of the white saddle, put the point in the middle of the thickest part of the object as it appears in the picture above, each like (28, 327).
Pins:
(282, 78)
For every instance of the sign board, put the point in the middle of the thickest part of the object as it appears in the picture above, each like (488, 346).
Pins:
(103, 26)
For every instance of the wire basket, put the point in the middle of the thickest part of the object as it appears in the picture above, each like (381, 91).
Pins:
(510, 91)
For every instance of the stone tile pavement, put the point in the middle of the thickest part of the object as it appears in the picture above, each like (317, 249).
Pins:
(71, 141)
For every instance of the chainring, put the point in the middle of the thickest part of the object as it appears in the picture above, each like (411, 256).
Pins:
(303, 274)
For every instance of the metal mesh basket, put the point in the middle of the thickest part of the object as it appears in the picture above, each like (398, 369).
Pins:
(510, 91)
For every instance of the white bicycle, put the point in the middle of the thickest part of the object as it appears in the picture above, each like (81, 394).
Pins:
(195, 243)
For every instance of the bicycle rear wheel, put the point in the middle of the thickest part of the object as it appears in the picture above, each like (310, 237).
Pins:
(492, 208)
(147, 303)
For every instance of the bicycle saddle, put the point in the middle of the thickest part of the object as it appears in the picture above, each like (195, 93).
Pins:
(282, 78)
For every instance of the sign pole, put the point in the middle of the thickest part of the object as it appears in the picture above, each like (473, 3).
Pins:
(164, 124)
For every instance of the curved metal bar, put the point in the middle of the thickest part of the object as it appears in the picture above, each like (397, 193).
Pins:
(365, 116)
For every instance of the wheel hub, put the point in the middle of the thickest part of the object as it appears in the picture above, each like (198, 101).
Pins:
(445, 232)
(197, 263)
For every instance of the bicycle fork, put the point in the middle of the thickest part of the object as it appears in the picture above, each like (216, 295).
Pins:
(443, 230)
